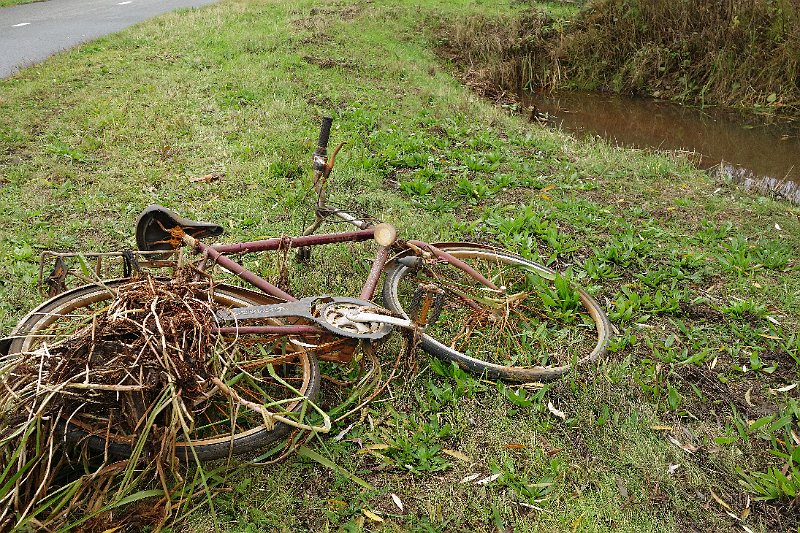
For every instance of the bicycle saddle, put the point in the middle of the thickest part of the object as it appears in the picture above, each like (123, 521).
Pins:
(155, 222)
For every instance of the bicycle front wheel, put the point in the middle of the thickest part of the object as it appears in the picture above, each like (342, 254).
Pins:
(268, 370)
(531, 328)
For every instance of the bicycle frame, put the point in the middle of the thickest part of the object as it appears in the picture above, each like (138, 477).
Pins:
(341, 316)
(216, 254)
(384, 234)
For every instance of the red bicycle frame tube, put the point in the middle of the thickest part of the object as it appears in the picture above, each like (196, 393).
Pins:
(375, 273)
(215, 253)
(294, 242)
(458, 263)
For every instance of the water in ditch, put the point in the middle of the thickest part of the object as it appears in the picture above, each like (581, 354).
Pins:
(760, 156)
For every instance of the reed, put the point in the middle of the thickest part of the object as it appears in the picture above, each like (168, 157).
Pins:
(732, 53)
(503, 54)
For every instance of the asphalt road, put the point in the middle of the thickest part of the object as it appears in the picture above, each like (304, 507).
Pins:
(31, 33)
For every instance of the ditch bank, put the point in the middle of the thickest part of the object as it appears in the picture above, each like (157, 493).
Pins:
(733, 66)
(727, 53)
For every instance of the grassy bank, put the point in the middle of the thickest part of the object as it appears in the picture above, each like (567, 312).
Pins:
(740, 54)
(688, 421)
(7, 3)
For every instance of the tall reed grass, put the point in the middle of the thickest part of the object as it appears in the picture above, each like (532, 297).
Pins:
(505, 53)
(742, 53)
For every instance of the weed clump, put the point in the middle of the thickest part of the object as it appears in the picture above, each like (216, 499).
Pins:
(121, 383)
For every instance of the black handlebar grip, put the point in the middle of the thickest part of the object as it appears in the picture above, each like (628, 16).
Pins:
(324, 133)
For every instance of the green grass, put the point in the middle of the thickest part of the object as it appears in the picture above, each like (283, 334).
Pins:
(696, 275)
(6, 3)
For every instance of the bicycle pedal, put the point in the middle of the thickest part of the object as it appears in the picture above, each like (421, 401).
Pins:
(56, 280)
(303, 254)
(412, 262)
(426, 304)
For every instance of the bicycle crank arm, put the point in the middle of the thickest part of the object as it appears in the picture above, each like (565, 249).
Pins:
(360, 316)
(301, 309)
(329, 312)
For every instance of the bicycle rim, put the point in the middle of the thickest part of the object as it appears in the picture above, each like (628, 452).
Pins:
(502, 334)
(265, 370)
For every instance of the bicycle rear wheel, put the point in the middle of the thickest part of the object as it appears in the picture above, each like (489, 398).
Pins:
(218, 430)
(497, 333)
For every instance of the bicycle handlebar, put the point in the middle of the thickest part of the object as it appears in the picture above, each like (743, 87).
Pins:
(324, 134)
(322, 168)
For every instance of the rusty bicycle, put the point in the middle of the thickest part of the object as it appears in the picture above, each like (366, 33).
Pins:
(475, 305)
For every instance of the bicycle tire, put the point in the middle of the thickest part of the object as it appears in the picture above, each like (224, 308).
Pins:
(84, 301)
(401, 278)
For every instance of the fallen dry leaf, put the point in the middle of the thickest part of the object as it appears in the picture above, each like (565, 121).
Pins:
(685, 447)
(372, 516)
(487, 480)
(458, 455)
(471, 477)
(373, 447)
(397, 501)
(556, 412)
(515, 446)
(720, 501)
(208, 178)
(747, 397)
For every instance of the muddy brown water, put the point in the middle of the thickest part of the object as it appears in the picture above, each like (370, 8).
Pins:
(764, 157)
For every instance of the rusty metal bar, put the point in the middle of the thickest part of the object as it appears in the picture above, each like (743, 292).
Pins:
(456, 262)
(375, 273)
(269, 330)
(238, 269)
(143, 255)
(296, 242)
